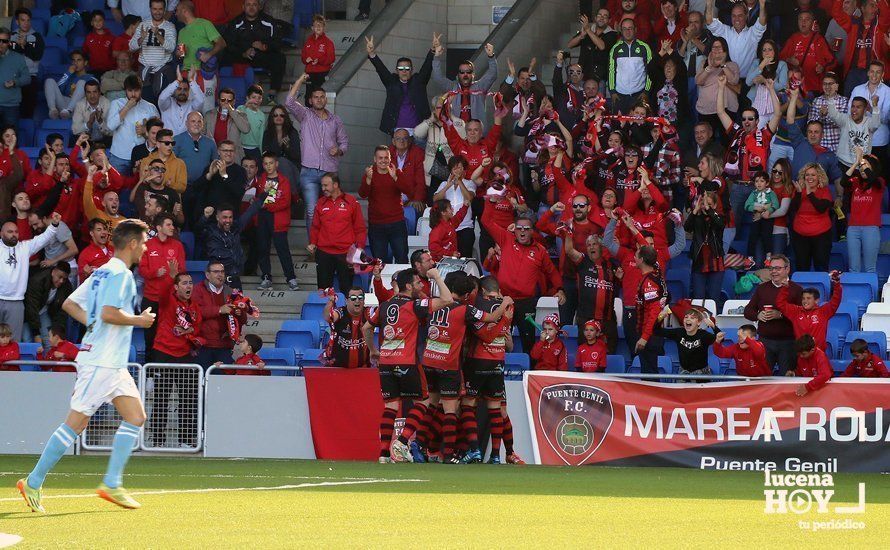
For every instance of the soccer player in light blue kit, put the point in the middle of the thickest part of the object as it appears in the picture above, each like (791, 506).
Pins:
(105, 304)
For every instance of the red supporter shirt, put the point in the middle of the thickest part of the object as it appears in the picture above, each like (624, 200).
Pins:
(214, 327)
(445, 336)
(68, 353)
(812, 50)
(650, 218)
(809, 222)
(213, 11)
(474, 153)
(503, 213)
(871, 367)
(443, 237)
(156, 256)
(93, 256)
(400, 319)
(251, 359)
(522, 266)
(592, 357)
(320, 49)
(176, 313)
(865, 205)
(652, 298)
(580, 232)
(383, 294)
(338, 224)
(410, 169)
(25, 231)
(6, 163)
(817, 366)
(781, 193)
(549, 355)
(38, 184)
(9, 352)
(488, 341)
(279, 188)
(99, 49)
(384, 196)
(810, 321)
(749, 361)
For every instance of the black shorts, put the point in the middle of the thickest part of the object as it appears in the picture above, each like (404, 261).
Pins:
(485, 379)
(398, 381)
(447, 383)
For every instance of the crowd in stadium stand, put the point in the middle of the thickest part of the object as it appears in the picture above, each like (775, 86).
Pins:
(691, 154)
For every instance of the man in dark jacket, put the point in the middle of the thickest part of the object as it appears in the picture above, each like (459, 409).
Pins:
(255, 38)
(224, 182)
(222, 240)
(211, 296)
(47, 290)
(406, 98)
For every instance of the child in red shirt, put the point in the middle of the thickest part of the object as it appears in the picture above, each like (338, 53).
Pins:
(549, 353)
(748, 353)
(249, 345)
(318, 53)
(807, 318)
(443, 223)
(592, 353)
(865, 364)
(98, 45)
(9, 350)
(60, 350)
(811, 361)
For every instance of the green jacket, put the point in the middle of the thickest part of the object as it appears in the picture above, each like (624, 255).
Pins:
(39, 286)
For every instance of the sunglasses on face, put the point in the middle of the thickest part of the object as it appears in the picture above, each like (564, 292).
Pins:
(168, 143)
(278, 115)
(523, 228)
(579, 206)
(404, 68)
(4, 41)
(749, 118)
(356, 298)
(777, 171)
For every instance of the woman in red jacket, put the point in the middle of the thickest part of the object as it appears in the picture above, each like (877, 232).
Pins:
(443, 222)
(318, 54)
(810, 206)
(273, 222)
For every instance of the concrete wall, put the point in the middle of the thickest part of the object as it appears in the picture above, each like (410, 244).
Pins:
(360, 103)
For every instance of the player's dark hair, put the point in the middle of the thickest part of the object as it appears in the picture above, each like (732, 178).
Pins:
(132, 82)
(223, 207)
(22, 11)
(165, 132)
(455, 160)
(695, 313)
(750, 329)
(416, 255)
(130, 20)
(162, 217)
(356, 289)
(436, 211)
(59, 330)
(648, 255)
(455, 282)
(95, 222)
(405, 277)
(212, 263)
(859, 346)
(127, 231)
(333, 177)
(812, 291)
(180, 276)
(254, 341)
(804, 343)
(63, 266)
(489, 284)
(254, 89)
(50, 138)
(162, 201)
(152, 122)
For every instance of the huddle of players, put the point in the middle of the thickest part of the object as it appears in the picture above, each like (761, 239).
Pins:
(443, 353)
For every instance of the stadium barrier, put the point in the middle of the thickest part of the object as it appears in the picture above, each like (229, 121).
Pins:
(174, 407)
(31, 406)
(99, 433)
(614, 420)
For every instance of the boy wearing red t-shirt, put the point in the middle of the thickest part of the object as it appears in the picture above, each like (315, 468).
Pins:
(807, 318)
(865, 364)
(60, 350)
(549, 353)
(811, 361)
(592, 353)
(748, 353)
(249, 346)
(9, 350)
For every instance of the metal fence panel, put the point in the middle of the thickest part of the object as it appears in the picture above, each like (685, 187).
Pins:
(99, 434)
(174, 407)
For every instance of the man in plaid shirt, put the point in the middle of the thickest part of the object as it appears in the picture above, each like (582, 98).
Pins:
(662, 157)
(831, 134)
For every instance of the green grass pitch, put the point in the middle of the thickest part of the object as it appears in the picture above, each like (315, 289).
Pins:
(204, 503)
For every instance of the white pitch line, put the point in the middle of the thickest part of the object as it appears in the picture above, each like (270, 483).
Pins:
(7, 540)
(231, 489)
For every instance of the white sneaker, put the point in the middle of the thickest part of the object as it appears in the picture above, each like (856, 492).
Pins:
(266, 283)
(293, 284)
(400, 452)
(384, 460)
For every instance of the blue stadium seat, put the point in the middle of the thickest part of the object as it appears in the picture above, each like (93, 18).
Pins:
(665, 366)
(310, 358)
(718, 366)
(517, 341)
(615, 364)
(114, 27)
(54, 56)
(298, 334)
(883, 267)
(877, 343)
(845, 319)
(860, 289)
(839, 366)
(671, 351)
(58, 125)
(248, 77)
(818, 280)
(727, 291)
(187, 238)
(25, 132)
(196, 270)
(133, 354)
(139, 343)
(318, 298)
(681, 263)
(92, 5)
(282, 357)
(678, 283)
(312, 312)
(516, 363)
(885, 227)
(411, 219)
(237, 84)
(28, 351)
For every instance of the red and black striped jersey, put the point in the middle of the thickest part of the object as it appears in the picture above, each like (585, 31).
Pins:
(596, 290)
(488, 341)
(347, 347)
(399, 319)
(445, 335)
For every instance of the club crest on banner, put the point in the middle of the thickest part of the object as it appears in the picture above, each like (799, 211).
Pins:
(575, 419)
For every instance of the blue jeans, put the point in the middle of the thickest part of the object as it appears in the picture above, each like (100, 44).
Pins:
(9, 116)
(780, 243)
(863, 242)
(388, 241)
(707, 286)
(310, 187)
(121, 165)
(737, 197)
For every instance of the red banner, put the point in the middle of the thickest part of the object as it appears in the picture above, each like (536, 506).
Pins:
(579, 418)
(344, 412)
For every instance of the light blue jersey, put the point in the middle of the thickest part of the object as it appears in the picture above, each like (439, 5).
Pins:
(104, 344)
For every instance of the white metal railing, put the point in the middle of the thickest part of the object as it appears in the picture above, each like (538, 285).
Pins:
(174, 407)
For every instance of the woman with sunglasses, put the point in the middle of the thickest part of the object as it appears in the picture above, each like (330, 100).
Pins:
(780, 181)
(865, 185)
(15, 166)
(717, 63)
(281, 138)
